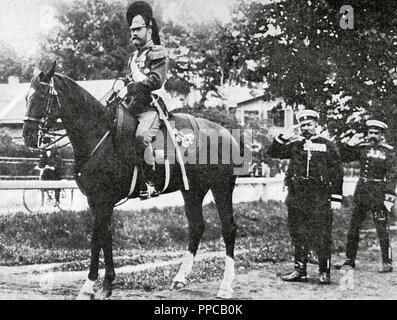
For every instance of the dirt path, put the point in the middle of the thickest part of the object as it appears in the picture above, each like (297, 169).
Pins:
(259, 284)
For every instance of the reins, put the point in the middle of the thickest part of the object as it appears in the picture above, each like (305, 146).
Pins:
(52, 92)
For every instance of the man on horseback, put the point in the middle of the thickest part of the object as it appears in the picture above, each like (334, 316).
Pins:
(148, 68)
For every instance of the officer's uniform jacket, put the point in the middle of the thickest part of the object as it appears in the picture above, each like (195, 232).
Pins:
(315, 168)
(148, 71)
(378, 174)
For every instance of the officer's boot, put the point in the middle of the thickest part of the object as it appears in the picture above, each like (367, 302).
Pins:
(298, 275)
(347, 263)
(325, 277)
(325, 272)
(386, 267)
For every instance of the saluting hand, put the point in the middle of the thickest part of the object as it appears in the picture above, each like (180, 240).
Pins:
(290, 134)
(356, 139)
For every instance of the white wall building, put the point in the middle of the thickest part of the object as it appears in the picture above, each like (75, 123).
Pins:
(275, 113)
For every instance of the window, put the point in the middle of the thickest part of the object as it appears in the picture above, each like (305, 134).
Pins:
(251, 117)
(276, 117)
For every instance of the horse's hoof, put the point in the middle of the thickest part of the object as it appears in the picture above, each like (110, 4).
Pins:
(86, 296)
(177, 285)
(106, 294)
(225, 294)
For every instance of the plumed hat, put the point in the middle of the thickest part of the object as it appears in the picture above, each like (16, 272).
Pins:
(141, 8)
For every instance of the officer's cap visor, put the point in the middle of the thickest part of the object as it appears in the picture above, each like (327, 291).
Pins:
(303, 122)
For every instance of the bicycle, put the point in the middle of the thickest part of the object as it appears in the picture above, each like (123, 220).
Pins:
(35, 199)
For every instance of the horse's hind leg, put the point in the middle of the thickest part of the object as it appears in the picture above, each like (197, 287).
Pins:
(223, 195)
(194, 213)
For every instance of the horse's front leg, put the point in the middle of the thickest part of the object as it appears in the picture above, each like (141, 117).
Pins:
(101, 239)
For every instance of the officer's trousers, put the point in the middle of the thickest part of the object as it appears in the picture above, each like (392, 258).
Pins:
(310, 227)
(380, 217)
(149, 124)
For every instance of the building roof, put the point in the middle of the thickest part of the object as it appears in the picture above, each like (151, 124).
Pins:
(12, 98)
(251, 100)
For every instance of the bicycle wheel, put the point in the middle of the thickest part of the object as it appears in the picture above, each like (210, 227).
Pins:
(33, 199)
(65, 199)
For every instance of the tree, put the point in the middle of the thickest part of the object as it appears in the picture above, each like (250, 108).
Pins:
(301, 51)
(92, 40)
(9, 65)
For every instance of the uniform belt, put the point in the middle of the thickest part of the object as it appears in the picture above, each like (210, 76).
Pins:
(308, 180)
(364, 179)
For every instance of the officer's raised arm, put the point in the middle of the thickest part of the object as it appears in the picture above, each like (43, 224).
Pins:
(281, 146)
(349, 151)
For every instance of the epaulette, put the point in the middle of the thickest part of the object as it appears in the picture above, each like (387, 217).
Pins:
(387, 146)
(157, 52)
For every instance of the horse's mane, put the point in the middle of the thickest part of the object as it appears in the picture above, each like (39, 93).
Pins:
(81, 97)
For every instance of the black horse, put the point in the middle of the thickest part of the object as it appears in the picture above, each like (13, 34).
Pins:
(104, 169)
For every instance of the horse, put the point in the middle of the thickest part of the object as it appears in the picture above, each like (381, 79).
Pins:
(104, 169)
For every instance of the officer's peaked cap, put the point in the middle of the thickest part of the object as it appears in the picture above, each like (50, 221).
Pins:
(136, 8)
(376, 124)
(307, 115)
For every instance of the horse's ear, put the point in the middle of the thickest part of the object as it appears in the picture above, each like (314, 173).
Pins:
(36, 72)
(52, 70)
(38, 75)
(50, 73)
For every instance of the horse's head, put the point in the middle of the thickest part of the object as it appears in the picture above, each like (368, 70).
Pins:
(42, 109)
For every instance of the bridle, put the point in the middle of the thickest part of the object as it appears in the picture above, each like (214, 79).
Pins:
(50, 116)
(44, 123)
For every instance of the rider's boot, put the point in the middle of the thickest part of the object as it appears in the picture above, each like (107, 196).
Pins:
(148, 190)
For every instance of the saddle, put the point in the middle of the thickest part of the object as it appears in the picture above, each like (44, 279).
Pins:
(185, 131)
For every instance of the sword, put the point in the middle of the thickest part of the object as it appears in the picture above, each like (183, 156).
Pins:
(163, 117)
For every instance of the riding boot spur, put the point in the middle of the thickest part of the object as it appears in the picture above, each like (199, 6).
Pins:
(147, 167)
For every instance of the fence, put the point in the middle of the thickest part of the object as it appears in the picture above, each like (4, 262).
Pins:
(247, 190)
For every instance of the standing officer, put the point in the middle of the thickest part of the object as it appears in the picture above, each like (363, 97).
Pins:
(314, 180)
(148, 69)
(375, 190)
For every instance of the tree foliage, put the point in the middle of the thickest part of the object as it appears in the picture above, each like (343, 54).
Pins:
(313, 61)
(92, 40)
(9, 64)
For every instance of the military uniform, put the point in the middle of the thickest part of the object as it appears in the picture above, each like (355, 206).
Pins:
(148, 67)
(377, 182)
(314, 179)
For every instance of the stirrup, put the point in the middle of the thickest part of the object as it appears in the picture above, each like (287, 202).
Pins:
(150, 191)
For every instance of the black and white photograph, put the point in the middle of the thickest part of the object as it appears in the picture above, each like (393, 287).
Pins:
(200, 152)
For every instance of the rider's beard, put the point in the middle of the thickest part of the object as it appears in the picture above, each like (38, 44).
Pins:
(136, 43)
